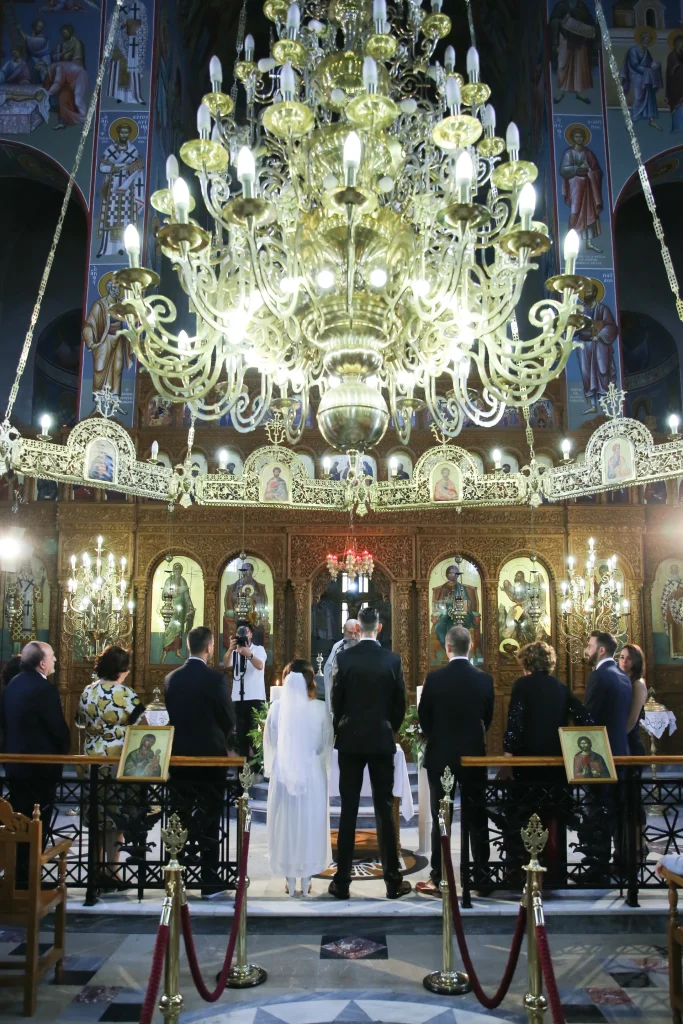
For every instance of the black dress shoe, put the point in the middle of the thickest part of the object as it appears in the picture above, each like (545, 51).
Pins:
(340, 892)
(394, 892)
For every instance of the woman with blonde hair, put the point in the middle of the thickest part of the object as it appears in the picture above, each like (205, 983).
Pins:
(632, 663)
(297, 749)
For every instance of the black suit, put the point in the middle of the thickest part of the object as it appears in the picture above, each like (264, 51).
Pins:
(455, 712)
(368, 704)
(202, 713)
(32, 722)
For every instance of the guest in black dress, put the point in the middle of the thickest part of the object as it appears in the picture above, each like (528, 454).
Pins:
(539, 705)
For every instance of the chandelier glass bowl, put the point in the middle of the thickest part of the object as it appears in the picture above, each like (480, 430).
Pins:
(372, 245)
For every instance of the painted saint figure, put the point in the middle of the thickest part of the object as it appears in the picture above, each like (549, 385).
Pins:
(109, 352)
(443, 598)
(642, 73)
(176, 599)
(597, 360)
(144, 762)
(123, 191)
(245, 598)
(572, 40)
(588, 764)
(672, 611)
(582, 185)
(276, 488)
(128, 59)
(516, 622)
(37, 50)
(445, 489)
(674, 80)
(618, 466)
(15, 71)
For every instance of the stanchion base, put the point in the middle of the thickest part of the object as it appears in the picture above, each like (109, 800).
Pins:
(246, 977)
(455, 983)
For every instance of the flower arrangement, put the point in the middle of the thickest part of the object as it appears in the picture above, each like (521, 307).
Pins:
(411, 734)
(255, 734)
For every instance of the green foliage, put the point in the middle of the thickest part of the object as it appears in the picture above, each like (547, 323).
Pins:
(411, 734)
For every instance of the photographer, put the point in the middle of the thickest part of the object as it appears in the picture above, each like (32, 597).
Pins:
(247, 662)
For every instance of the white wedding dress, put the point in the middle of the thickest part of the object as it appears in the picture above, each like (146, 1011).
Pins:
(297, 748)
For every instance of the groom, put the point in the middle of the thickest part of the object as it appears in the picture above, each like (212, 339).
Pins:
(368, 704)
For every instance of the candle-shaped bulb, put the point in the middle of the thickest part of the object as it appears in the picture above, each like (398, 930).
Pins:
(73, 561)
(131, 606)
(181, 200)
(123, 562)
(131, 242)
(436, 6)
(473, 64)
(464, 170)
(172, 170)
(571, 250)
(449, 59)
(223, 459)
(393, 465)
(370, 74)
(249, 48)
(497, 457)
(216, 74)
(99, 543)
(155, 450)
(246, 171)
(287, 83)
(566, 447)
(512, 140)
(203, 121)
(45, 422)
(453, 97)
(527, 205)
(326, 463)
(673, 423)
(571, 562)
(352, 155)
(489, 118)
(293, 20)
(379, 14)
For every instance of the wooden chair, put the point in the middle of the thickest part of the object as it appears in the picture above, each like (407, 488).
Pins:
(27, 907)
(675, 942)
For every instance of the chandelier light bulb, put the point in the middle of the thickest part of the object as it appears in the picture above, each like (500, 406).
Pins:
(464, 170)
(293, 21)
(449, 59)
(370, 74)
(527, 205)
(379, 14)
(393, 465)
(420, 287)
(673, 423)
(325, 280)
(571, 251)
(288, 83)
(155, 451)
(131, 242)
(203, 121)
(266, 64)
(222, 459)
(326, 463)
(246, 171)
(172, 170)
(453, 97)
(45, 424)
(473, 64)
(497, 457)
(436, 6)
(512, 140)
(249, 48)
(352, 155)
(489, 118)
(181, 199)
(566, 448)
(378, 277)
(183, 341)
(216, 74)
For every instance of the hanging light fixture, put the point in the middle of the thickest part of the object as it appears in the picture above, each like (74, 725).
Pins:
(374, 246)
(97, 610)
(592, 602)
(354, 563)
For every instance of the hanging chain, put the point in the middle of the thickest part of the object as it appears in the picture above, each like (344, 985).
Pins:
(642, 172)
(21, 366)
(239, 44)
(470, 22)
(190, 438)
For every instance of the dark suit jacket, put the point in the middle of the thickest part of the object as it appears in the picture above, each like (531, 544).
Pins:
(455, 711)
(32, 722)
(368, 699)
(200, 710)
(608, 700)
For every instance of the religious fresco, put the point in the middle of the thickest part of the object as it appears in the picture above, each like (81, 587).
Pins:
(108, 360)
(127, 79)
(308, 463)
(541, 414)
(667, 611)
(25, 600)
(592, 368)
(339, 466)
(454, 580)
(159, 412)
(515, 623)
(582, 188)
(618, 461)
(177, 606)
(119, 183)
(246, 592)
(444, 482)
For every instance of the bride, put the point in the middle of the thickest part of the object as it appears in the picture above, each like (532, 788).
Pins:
(297, 746)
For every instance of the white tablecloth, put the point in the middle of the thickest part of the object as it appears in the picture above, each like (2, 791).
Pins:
(401, 782)
(657, 722)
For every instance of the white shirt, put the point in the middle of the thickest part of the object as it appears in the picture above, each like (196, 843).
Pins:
(603, 661)
(254, 678)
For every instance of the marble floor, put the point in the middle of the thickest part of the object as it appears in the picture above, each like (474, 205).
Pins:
(351, 973)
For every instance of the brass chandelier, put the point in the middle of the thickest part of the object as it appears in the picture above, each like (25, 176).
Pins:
(97, 608)
(374, 247)
(592, 601)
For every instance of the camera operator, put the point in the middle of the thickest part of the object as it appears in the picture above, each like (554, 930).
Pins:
(247, 662)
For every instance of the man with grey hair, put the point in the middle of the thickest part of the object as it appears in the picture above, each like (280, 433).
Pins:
(455, 711)
(32, 722)
(349, 639)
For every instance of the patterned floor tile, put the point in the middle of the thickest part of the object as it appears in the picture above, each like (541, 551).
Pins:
(354, 947)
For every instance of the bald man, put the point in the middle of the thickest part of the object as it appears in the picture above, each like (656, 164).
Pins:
(32, 722)
(349, 639)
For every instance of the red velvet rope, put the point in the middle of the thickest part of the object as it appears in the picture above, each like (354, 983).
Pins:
(207, 996)
(549, 974)
(490, 1002)
(149, 1005)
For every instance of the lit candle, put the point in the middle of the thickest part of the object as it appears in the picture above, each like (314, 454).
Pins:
(463, 176)
(673, 423)
(222, 459)
(393, 465)
(45, 422)
(246, 171)
(571, 251)
(216, 74)
(275, 691)
(131, 243)
(181, 199)
(566, 447)
(497, 457)
(352, 154)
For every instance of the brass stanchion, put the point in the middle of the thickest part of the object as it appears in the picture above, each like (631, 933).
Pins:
(446, 982)
(534, 837)
(173, 838)
(243, 974)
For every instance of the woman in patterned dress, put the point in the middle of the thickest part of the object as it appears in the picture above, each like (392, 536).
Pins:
(106, 707)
